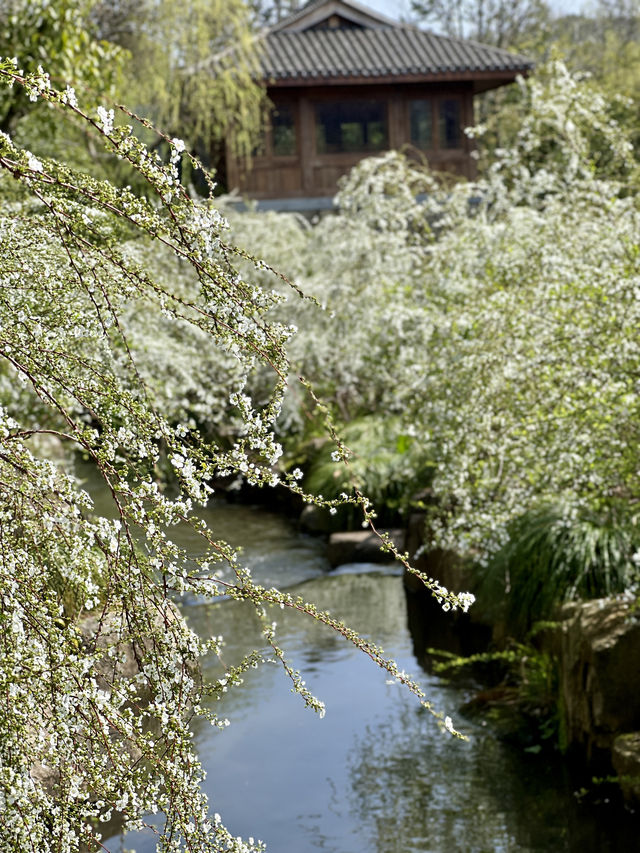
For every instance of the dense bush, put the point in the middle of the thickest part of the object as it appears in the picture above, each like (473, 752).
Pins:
(478, 343)
(129, 335)
(494, 324)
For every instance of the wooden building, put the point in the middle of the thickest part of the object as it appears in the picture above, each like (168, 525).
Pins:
(347, 82)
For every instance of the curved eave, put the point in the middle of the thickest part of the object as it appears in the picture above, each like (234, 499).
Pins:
(482, 80)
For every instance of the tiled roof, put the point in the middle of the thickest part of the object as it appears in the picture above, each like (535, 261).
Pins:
(323, 54)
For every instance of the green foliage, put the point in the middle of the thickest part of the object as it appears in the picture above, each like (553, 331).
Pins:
(603, 41)
(191, 69)
(56, 35)
(107, 299)
(385, 463)
(519, 693)
(553, 556)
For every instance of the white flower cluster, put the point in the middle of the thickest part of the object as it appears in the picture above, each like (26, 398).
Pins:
(451, 600)
(69, 97)
(106, 118)
(38, 84)
(33, 163)
(505, 341)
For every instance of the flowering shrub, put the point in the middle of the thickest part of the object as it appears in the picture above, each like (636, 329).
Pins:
(492, 325)
(117, 314)
(497, 319)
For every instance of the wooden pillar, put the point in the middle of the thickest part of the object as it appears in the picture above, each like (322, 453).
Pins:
(468, 120)
(233, 171)
(307, 146)
(397, 118)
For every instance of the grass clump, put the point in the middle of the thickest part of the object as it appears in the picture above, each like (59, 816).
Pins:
(553, 557)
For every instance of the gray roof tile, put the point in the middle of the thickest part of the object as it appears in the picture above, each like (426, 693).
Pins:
(322, 54)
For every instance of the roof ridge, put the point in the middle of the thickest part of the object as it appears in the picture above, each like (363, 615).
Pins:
(311, 5)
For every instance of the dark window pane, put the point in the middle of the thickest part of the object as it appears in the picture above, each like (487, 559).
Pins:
(421, 121)
(351, 126)
(449, 124)
(284, 132)
(352, 136)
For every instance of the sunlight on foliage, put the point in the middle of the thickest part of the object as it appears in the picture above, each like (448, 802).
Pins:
(497, 320)
(108, 301)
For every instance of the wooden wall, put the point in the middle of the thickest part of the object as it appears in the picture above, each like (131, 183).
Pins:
(306, 173)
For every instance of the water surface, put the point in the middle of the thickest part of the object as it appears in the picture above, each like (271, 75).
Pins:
(377, 774)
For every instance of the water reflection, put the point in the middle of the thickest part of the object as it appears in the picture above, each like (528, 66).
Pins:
(376, 775)
(429, 794)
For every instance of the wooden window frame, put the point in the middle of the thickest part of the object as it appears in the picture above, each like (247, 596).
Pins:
(436, 101)
(340, 156)
(269, 151)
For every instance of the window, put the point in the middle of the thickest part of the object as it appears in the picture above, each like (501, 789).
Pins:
(283, 128)
(449, 123)
(351, 126)
(278, 138)
(428, 114)
(421, 123)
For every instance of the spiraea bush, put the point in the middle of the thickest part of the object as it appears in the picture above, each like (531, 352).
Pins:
(134, 333)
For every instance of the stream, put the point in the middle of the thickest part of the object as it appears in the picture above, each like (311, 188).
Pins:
(377, 774)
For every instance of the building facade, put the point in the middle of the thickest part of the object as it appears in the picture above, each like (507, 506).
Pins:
(346, 83)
